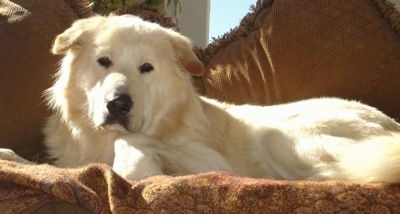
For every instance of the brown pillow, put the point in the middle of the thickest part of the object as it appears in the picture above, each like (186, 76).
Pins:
(27, 30)
(290, 50)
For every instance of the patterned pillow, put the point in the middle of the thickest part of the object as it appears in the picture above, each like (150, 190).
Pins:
(290, 50)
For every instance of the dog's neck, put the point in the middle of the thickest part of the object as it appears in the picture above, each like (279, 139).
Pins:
(186, 117)
(192, 121)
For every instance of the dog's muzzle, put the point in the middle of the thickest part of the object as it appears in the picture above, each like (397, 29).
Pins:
(118, 109)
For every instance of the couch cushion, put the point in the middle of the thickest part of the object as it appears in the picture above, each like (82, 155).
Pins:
(98, 189)
(288, 50)
(27, 30)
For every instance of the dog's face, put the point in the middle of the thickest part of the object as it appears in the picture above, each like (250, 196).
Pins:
(121, 73)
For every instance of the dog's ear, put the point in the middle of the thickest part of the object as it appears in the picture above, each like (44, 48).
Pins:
(183, 50)
(75, 35)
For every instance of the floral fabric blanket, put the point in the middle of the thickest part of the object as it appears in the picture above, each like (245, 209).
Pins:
(96, 188)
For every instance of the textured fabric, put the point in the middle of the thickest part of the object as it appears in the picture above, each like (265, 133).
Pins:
(97, 189)
(290, 50)
(27, 30)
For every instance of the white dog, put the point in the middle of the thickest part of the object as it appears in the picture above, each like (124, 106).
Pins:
(124, 96)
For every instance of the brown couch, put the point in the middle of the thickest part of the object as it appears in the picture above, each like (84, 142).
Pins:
(283, 50)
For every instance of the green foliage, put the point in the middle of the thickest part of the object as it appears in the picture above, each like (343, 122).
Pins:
(153, 3)
(107, 6)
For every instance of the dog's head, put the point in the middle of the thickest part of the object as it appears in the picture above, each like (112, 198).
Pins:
(121, 72)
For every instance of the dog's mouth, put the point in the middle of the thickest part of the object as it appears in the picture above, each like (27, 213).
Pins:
(112, 123)
(115, 127)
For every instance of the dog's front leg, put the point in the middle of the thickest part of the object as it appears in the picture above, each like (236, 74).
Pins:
(136, 158)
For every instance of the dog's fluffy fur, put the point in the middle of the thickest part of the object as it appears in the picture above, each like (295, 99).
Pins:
(164, 127)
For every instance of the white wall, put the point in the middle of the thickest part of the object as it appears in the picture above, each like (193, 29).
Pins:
(193, 20)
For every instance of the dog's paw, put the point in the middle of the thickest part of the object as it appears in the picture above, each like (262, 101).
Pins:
(135, 157)
(10, 155)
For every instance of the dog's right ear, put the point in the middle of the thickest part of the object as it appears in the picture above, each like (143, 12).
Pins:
(76, 35)
(184, 53)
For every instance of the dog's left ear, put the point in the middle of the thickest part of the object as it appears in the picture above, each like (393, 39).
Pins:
(183, 50)
(77, 35)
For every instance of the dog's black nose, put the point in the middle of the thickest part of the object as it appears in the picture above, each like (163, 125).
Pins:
(119, 106)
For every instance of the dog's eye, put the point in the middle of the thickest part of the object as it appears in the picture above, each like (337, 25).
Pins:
(105, 62)
(145, 68)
